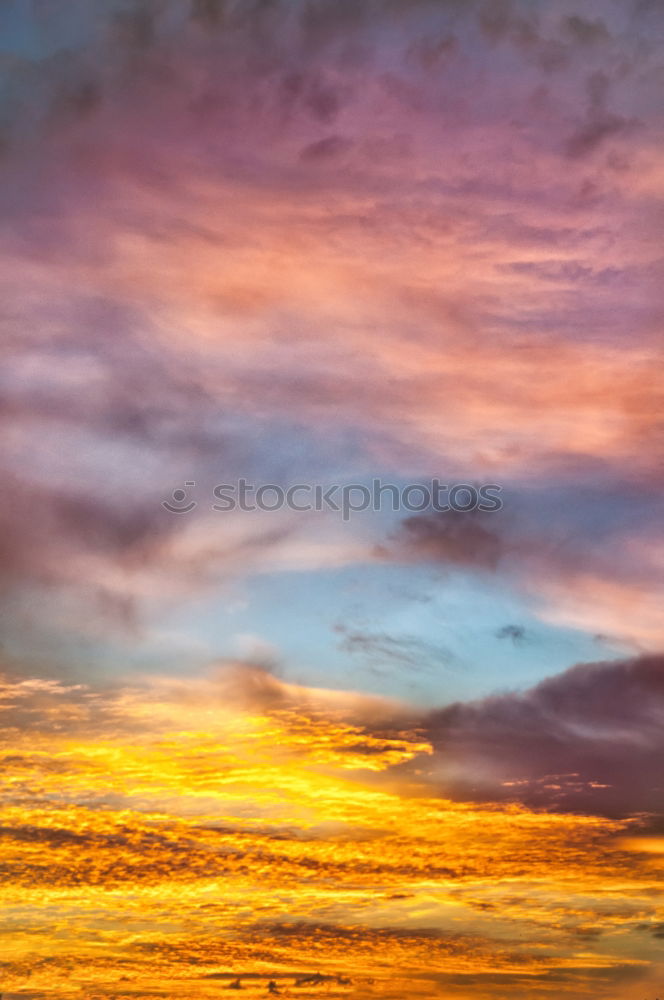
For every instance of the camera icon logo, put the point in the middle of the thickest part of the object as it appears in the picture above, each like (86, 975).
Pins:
(178, 502)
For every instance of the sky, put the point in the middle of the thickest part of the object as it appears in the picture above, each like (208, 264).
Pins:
(405, 754)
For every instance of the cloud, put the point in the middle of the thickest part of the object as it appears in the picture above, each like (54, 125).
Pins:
(255, 238)
(517, 633)
(329, 148)
(600, 123)
(462, 539)
(581, 546)
(357, 269)
(383, 651)
(321, 813)
(136, 28)
(590, 739)
(585, 31)
(209, 12)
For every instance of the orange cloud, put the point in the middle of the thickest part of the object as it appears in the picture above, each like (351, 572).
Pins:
(181, 841)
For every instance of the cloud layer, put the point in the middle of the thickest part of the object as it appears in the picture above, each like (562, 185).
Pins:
(238, 221)
(185, 834)
(324, 240)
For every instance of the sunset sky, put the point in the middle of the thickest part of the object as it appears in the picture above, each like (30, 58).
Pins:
(402, 756)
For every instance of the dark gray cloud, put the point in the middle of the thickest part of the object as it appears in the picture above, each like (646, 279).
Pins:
(516, 633)
(326, 149)
(590, 739)
(136, 28)
(585, 31)
(210, 13)
(46, 531)
(450, 538)
(600, 123)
